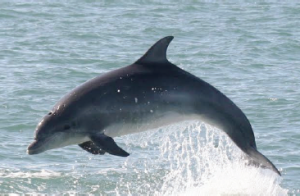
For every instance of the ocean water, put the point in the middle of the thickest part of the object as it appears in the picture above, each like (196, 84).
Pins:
(250, 51)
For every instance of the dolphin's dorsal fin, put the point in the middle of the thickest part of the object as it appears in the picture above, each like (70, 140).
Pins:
(157, 53)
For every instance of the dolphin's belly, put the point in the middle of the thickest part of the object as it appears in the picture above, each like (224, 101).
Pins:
(130, 127)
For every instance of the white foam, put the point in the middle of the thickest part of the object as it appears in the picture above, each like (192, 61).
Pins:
(235, 179)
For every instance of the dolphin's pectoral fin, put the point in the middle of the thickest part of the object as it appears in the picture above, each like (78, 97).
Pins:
(107, 144)
(90, 147)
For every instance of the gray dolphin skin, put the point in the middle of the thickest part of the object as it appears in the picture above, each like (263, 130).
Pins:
(150, 93)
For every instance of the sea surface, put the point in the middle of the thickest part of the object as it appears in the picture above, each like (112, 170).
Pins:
(248, 50)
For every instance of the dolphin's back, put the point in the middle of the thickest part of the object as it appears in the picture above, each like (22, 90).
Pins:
(146, 91)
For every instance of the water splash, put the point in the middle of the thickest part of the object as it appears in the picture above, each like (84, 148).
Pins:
(192, 158)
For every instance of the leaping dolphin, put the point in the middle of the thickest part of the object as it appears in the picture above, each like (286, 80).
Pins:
(150, 93)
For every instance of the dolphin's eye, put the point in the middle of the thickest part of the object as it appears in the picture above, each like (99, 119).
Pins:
(49, 113)
(66, 127)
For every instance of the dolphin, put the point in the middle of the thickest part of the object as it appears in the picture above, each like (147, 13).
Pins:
(150, 93)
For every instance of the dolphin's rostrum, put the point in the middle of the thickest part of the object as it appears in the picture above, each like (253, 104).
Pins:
(150, 93)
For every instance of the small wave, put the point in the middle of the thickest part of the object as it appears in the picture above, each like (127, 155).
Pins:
(43, 174)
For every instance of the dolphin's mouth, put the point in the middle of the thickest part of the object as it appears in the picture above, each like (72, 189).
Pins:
(36, 146)
(53, 141)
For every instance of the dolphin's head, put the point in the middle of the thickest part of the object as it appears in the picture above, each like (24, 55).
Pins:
(55, 130)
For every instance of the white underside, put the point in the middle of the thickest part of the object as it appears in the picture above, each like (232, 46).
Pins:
(61, 139)
(168, 118)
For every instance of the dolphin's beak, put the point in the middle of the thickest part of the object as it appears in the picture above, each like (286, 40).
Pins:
(48, 142)
(36, 147)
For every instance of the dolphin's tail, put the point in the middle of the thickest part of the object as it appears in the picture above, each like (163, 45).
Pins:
(259, 160)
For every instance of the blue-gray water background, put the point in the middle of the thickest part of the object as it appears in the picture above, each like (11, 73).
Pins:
(249, 51)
